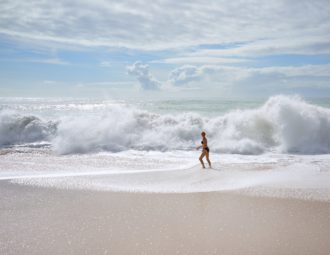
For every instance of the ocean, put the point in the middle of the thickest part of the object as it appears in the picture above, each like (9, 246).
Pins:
(275, 147)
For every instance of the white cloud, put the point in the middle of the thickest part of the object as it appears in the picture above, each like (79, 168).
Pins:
(198, 36)
(52, 61)
(210, 59)
(294, 71)
(188, 74)
(141, 72)
(307, 75)
(163, 24)
(305, 46)
(248, 77)
(185, 74)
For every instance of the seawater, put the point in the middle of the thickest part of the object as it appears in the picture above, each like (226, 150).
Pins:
(275, 147)
(280, 124)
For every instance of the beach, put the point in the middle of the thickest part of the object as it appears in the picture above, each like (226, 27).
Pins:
(165, 127)
(113, 177)
(55, 221)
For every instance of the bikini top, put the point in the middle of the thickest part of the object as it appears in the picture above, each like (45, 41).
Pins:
(202, 142)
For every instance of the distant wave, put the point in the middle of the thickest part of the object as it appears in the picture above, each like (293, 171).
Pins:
(284, 124)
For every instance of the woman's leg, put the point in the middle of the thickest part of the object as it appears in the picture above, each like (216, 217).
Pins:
(201, 158)
(207, 158)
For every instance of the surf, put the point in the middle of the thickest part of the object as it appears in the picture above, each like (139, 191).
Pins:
(284, 124)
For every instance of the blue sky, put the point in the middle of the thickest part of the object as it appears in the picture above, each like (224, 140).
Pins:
(164, 48)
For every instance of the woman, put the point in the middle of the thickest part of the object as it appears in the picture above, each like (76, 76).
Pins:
(205, 151)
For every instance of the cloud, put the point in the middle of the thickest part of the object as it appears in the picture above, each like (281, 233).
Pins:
(238, 80)
(250, 77)
(189, 73)
(307, 46)
(294, 71)
(231, 76)
(199, 59)
(193, 38)
(184, 74)
(165, 24)
(52, 61)
(141, 72)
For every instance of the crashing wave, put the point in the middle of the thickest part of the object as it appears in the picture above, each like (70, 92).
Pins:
(284, 124)
(18, 129)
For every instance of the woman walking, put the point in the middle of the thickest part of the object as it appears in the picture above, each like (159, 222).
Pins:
(205, 151)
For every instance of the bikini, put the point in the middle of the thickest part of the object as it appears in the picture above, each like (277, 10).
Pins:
(206, 148)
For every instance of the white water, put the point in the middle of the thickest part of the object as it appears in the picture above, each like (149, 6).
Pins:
(122, 147)
(282, 124)
(275, 175)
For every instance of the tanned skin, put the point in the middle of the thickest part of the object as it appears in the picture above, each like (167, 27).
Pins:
(205, 151)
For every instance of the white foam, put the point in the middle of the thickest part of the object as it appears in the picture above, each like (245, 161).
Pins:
(275, 175)
(283, 124)
(121, 148)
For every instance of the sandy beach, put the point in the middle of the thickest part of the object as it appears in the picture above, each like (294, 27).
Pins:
(164, 127)
(56, 221)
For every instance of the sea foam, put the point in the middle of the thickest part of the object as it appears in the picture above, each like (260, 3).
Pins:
(283, 124)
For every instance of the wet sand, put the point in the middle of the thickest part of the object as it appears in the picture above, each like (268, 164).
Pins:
(38, 220)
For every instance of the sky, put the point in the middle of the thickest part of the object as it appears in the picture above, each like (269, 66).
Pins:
(164, 48)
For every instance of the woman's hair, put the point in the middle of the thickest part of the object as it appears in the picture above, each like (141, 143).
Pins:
(203, 133)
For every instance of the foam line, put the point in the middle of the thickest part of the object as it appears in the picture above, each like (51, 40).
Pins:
(94, 173)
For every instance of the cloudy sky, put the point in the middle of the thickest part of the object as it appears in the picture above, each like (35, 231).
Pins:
(164, 48)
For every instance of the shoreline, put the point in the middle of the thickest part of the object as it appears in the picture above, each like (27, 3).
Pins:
(39, 220)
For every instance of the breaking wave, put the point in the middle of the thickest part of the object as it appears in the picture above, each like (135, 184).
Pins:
(18, 129)
(284, 124)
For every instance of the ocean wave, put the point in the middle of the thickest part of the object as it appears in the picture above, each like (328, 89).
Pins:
(18, 129)
(284, 123)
